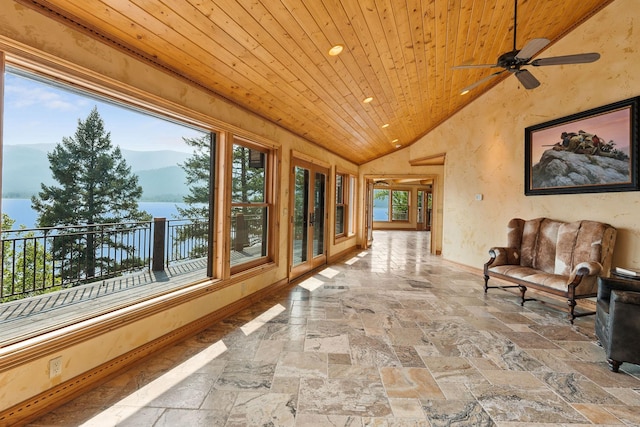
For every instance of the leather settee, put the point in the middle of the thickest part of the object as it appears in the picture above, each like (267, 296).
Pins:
(560, 258)
(618, 320)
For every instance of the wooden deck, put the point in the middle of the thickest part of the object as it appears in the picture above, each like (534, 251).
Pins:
(33, 316)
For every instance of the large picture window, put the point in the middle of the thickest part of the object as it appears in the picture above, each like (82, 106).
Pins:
(400, 205)
(250, 204)
(381, 204)
(98, 197)
(390, 205)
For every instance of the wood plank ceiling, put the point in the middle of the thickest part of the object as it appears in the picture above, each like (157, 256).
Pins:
(271, 56)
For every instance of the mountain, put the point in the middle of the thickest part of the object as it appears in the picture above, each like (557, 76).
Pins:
(163, 184)
(146, 160)
(23, 169)
(26, 166)
(564, 168)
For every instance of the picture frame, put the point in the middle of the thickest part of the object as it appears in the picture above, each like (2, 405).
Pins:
(588, 152)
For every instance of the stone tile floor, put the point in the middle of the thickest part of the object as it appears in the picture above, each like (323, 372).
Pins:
(390, 337)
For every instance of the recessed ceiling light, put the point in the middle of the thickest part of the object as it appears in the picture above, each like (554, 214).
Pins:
(395, 140)
(464, 92)
(384, 126)
(367, 99)
(336, 50)
(398, 145)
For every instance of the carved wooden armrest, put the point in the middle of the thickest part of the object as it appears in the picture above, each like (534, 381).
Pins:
(587, 268)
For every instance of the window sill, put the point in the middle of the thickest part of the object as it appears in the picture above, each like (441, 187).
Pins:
(343, 238)
(34, 347)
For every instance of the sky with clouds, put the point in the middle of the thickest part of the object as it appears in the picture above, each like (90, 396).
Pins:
(37, 113)
(613, 126)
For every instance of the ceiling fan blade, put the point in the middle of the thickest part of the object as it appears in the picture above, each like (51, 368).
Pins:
(527, 79)
(479, 82)
(580, 58)
(460, 67)
(530, 49)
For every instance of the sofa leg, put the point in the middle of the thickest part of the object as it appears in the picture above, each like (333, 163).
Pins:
(523, 289)
(572, 306)
(614, 365)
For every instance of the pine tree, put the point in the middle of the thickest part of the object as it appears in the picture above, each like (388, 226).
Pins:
(197, 169)
(247, 186)
(247, 183)
(198, 175)
(95, 186)
(27, 267)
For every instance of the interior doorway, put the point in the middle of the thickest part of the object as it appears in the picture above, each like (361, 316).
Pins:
(388, 196)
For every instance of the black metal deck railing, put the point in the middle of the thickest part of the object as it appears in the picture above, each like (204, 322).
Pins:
(40, 260)
(186, 239)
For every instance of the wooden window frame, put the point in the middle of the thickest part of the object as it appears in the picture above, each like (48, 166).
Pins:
(341, 203)
(270, 156)
(351, 222)
(348, 203)
(118, 96)
(391, 205)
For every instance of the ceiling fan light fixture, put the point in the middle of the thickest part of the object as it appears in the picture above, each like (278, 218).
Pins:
(336, 50)
(514, 60)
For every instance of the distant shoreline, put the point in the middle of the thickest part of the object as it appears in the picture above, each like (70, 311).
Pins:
(159, 199)
(19, 210)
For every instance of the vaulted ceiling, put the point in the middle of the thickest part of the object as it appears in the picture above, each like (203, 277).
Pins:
(271, 56)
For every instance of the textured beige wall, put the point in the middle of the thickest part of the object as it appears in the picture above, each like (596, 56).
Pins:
(484, 143)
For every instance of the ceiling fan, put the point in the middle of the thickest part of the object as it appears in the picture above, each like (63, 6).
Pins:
(516, 59)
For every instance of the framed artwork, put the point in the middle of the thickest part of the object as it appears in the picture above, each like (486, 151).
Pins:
(588, 152)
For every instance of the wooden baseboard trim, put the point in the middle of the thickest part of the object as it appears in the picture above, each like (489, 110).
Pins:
(48, 400)
(464, 267)
(332, 259)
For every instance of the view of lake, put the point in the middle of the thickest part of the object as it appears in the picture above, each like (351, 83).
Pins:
(380, 213)
(20, 210)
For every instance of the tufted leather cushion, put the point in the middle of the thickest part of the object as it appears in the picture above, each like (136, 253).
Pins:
(532, 275)
(546, 249)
